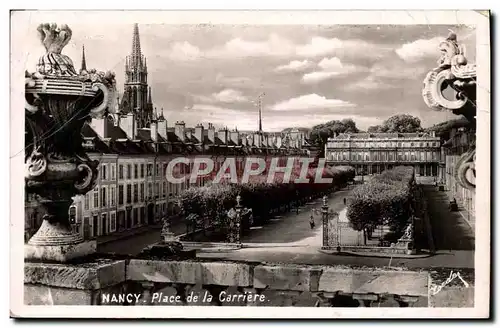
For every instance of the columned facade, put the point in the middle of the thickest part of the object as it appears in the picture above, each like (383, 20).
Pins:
(372, 153)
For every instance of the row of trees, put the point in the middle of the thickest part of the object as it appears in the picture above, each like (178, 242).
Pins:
(212, 202)
(385, 200)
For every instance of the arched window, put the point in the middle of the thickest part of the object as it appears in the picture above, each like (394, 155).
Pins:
(72, 214)
(134, 98)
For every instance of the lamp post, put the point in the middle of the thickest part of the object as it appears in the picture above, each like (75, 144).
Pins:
(330, 220)
(234, 216)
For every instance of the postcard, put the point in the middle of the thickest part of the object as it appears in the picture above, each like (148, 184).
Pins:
(305, 164)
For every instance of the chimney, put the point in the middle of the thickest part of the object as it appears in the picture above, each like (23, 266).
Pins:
(180, 130)
(433, 133)
(257, 140)
(100, 127)
(222, 135)
(127, 124)
(189, 134)
(198, 132)
(279, 141)
(162, 128)
(211, 133)
(235, 137)
(154, 131)
(265, 140)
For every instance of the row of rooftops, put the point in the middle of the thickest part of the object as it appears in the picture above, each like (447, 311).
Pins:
(119, 135)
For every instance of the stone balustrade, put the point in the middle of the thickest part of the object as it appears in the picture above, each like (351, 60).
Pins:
(203, 282)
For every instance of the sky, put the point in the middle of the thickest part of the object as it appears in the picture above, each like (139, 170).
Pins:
(309, 74)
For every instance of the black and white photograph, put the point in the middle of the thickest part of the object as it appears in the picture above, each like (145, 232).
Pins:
(278, 163)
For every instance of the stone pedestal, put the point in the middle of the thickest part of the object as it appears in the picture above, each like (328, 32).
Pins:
(73, 284)
(61, 253)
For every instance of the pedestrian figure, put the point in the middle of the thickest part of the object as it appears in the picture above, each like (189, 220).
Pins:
(311, 222)
(345, 201)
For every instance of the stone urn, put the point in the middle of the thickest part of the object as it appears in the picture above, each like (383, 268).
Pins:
(58, 103)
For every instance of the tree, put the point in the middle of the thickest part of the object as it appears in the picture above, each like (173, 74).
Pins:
(443, 129)
(374, 129)
(402, 123)
(385, 199)
(321, 132)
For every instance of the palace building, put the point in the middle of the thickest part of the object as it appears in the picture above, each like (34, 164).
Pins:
(371, 153)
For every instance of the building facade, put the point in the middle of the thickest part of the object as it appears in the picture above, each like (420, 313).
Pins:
(459, 143)
(372, 153)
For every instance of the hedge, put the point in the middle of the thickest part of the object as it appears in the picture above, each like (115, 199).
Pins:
(213, 201)
(386, 199)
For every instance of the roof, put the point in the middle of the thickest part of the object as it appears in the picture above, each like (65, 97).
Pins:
(382, 135)
(116, 141)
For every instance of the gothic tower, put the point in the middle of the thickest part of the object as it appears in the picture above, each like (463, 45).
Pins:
(137, 95)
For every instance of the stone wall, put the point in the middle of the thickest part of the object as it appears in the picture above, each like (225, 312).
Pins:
(197, 282)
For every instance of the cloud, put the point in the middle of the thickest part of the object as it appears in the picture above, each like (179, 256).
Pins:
(229, 96)
(331, 67)
(394, 71)
(209, 108)
(226, 80)
(224, 96)
(369, 83)
(320, 46)
(309, 102)
(183, 51)
(331, 64)
(420, 49)
(294, 66)
(275, 46)
(272, 120)
(238, 47)
(316, 77)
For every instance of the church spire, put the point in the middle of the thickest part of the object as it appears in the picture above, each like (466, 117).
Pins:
(161, 117)
(136, 55)
(260, 111)
(84, 63)
(136, 43)
(150, 98)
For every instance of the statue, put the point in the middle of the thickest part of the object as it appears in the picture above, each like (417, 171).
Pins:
(454, 71)
(58, 102)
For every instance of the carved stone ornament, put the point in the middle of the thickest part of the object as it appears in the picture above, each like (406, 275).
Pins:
(58, 103)
(455, 72)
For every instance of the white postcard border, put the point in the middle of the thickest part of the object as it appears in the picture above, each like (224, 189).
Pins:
(482, 257)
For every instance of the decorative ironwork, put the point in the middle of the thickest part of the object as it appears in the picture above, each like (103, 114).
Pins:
(330, 226)
(58, 103)
(234, 216)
